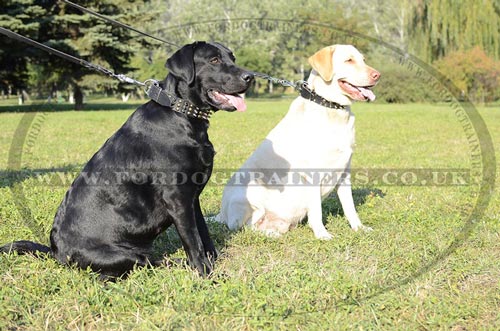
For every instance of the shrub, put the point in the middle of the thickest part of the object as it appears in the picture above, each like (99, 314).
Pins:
(472, 71)
(401, 85)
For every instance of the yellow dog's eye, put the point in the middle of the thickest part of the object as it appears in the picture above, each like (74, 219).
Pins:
(350, 60)
(215, 60)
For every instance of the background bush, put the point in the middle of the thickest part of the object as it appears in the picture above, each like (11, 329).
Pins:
(400, 85)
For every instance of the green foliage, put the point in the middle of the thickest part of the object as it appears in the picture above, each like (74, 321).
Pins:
(400, 85)
(476, 74)
(389, 19)
(70, 31)
(442, 26)
(23, 17)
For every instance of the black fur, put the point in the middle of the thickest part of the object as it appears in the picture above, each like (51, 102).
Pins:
(110, 225)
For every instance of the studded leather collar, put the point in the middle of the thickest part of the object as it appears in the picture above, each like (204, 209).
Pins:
(310, 95)
(157, 94)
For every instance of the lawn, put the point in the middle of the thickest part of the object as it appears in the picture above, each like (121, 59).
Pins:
(425, 266)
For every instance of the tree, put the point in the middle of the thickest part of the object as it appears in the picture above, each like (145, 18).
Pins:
(91, 39)
(389, 19)
(23, 17)
(442, 26)
(62, 27)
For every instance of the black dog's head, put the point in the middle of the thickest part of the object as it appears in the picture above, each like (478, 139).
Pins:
(206, 75)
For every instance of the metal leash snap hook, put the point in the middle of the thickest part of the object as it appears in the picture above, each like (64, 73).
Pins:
(300, 85)
(125, 79)
(150, 83)
(153, 89)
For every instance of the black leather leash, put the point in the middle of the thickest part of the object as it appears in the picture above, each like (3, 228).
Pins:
(153, 88)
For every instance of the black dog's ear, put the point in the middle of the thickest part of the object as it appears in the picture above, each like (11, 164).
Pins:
(181, 64)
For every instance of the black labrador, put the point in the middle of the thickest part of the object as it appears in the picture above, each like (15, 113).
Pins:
(150, 173)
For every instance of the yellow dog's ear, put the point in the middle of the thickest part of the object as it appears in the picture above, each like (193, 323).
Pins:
(321, 61)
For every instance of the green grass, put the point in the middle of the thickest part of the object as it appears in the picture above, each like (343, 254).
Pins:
(398, 277)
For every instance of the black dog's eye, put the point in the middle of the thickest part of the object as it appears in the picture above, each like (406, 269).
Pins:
(215, 60)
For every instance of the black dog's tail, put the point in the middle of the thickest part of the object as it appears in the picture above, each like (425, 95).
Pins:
(25, 247)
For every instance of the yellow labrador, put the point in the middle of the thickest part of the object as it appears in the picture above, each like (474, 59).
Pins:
(307, 155)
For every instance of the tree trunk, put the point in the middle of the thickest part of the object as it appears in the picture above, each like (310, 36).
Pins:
(71, 96)
(20, 98)
(26, 95)
(125, 97)
(78, 97)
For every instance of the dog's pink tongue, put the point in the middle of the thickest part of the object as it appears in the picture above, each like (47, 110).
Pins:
(367, 93)
(237, 102)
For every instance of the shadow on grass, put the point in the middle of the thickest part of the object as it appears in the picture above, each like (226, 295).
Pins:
(168, 243)
(52, 107)
(332, 206)
(8, 178)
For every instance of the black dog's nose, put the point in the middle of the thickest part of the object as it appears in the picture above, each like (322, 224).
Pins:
(247, 77)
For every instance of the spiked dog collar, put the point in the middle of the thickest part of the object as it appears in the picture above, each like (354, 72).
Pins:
(310, 95)
(157, 94)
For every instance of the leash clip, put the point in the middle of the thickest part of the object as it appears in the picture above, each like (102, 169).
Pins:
(301, 85)
(125, 79)
(154, 92)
